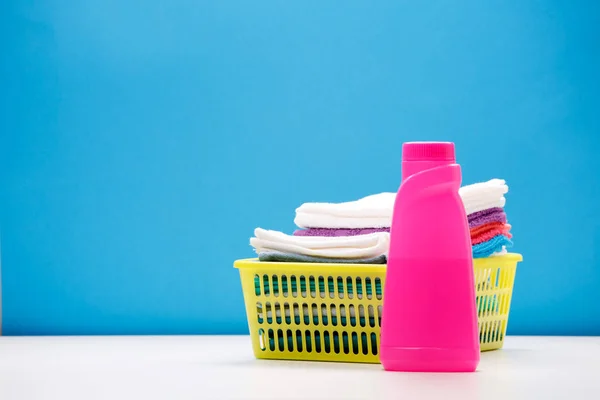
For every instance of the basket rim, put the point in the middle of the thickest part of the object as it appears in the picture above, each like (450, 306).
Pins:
(250, 263)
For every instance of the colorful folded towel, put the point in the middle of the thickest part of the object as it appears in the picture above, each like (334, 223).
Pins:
(482, 217)
(358, 231)
(337, 231)
(341, 247)
(496, 244)
(376, 211)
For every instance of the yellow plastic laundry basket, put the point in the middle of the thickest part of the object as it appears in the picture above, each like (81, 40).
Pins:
(332, 312)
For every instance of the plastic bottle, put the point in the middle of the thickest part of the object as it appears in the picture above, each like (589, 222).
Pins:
(429, 318)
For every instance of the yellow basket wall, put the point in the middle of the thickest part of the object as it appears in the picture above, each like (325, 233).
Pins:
(332, 312)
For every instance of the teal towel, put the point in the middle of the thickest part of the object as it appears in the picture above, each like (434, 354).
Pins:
(493, 245)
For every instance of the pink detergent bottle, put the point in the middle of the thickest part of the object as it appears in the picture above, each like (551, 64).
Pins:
(429, 320)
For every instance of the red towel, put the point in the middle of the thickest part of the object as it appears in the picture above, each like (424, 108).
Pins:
(485, 232)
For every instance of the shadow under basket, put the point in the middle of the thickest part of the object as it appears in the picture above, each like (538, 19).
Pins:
(332, 312)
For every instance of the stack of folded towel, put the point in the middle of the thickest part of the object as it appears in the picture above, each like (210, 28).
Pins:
(484, 203)
(357, 232)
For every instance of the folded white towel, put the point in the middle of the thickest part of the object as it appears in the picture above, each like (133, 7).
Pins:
(483, 195)
(376, 211)
(357, 247)
(304, 220)
(376, 205)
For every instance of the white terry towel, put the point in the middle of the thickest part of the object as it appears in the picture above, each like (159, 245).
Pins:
(376, 211)
(373, 211)
(358, 247)
(484, 195)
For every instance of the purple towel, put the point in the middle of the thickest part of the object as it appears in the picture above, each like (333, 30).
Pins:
(496, 214)
(338, 231)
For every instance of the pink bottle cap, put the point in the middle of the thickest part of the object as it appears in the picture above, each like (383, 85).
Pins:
(428, 151)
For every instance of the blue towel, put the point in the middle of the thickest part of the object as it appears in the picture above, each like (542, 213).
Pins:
(493, 245)
(276, 256)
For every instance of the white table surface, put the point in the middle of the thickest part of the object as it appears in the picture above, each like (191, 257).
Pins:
(223, 367)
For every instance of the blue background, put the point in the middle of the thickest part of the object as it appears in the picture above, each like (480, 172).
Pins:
(143, 141)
